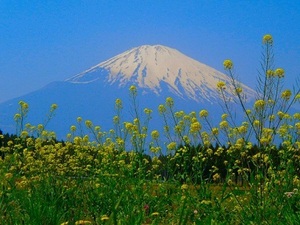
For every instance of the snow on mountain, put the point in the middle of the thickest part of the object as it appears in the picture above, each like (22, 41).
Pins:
(149, 66)
(157, 71)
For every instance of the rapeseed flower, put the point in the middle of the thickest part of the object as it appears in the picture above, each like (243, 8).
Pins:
(203, 113)
(224, 116)
(155, 134)
(195, 127)
(17, 116)
(53, 107)
(259, 104)
(133, 90)
(268, 39)
(279, 72)
(8, 176)
(223, 124)
(73, 128)
(116, 119)
(172, 146)
(270, 73)
(184, 187)
(228, 64)
(221, 85)
(215, 131)
(155, 149)
(286, 94)
(82, 222)
(281, 114)
(169, 102)
(216, 177)
(161, 109)
(147, 111)
(118, 103)
(88, 123)
(104, 217)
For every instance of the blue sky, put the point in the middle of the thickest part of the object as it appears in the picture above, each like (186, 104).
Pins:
(45, 41)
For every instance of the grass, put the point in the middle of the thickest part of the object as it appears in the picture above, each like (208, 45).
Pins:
(228, 173)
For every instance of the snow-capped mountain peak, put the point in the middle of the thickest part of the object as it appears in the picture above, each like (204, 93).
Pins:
(149, 67)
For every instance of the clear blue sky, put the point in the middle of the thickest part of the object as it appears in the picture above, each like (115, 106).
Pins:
(45, 41)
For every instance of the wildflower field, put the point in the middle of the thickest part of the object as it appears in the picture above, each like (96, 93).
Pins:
(192, 171)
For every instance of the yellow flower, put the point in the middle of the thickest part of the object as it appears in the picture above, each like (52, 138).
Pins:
(184, 187)
(116, 119)
(155, 149)
(228, 64)
(270, 73)
(297, 116)
(242, 129)
(280, 114)
(53, 106)
(147, 111)
(215, 131)
(286, 95)
(170, 102)
(195, 127)
(239, 90)
(136, 121)
(155, 214)
(224, 116)
(223, 124)
(73, 128)
(161, 109)
(267, 39)
(128, 125)
(205, 202)
(172, 146)
(186, 139)
(133, 90)
(155, 134)
(209, 151)
(264, 141)
(88, 123)
(17, 116)
(179, 114)
(221, 85)
(203, 113)
(23, 105)
(79, 119)
(118, 103)
(256, 122)
(279, 72)
(82, 222)
(8, 175)
(216, 177)
(85, 138)
(24, 134)
(259, 104)
(104, 217)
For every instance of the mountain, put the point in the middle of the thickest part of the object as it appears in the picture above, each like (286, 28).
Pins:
(153, 67)
(157, 72)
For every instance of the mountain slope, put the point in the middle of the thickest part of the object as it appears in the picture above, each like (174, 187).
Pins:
(157, 71)
(148, 67)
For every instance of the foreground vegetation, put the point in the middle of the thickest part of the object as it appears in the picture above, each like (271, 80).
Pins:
(196, 172)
